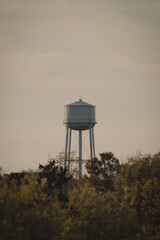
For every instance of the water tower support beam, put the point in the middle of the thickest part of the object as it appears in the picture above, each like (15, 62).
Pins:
(69, 150)
(80, 153)
(90, 137)
(93, 142)
(66, 147)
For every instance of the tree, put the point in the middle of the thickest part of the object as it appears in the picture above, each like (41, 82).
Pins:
(57, 177)
(139, 168)
(95, 216)
(138, 183)
(104, 170)
(59, 161)
(28, 212)
(150, 207)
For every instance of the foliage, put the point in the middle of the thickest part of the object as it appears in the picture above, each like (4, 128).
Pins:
(103, 171)
(116, 201)
(59, 161)
(26, 212)
(138, 182)
(56, 178)
(98, 216)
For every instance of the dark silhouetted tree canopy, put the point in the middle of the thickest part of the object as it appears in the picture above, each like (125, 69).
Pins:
(104, 170)
(57, 177)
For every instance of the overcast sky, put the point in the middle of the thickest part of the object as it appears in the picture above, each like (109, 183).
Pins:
(54, 52)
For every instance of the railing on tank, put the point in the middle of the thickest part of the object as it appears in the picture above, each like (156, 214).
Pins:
(95, 121)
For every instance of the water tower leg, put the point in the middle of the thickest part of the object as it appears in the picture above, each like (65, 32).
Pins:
(94, 155)
(90, 137)
(65, 157)
(69, 150)
(80, 153)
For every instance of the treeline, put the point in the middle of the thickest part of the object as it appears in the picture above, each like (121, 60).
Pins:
(112, 202)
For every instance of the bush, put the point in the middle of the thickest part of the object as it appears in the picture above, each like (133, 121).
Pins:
(98, 216)
(27, 212)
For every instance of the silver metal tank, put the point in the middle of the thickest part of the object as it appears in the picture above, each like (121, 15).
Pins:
(80, 115)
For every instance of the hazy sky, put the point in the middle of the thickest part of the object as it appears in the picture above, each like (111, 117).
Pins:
(54, 52)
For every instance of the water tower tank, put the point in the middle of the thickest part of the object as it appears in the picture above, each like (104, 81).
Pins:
(80, 115)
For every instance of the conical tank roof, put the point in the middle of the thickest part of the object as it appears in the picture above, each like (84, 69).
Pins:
(80, 103)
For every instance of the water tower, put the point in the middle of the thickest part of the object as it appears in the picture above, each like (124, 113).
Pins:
(79, 116)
